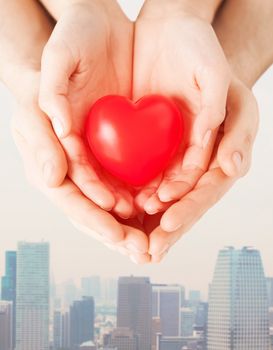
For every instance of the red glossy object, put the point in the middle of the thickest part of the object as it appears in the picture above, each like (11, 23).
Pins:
(134, 141)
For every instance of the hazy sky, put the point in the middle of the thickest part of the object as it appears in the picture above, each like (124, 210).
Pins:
(243, 217)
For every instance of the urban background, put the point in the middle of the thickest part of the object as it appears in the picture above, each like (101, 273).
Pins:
(132, 312)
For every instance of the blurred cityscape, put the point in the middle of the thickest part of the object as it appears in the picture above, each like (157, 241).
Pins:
(133, 313)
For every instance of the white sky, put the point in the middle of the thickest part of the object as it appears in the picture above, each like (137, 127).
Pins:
(243, 217)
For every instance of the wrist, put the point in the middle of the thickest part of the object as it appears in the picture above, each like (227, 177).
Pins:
(204, 10)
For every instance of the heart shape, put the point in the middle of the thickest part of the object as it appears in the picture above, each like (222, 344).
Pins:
(134, 141)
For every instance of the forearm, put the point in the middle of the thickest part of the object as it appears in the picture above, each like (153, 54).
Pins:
(205, 9)
(245, 30)
(24, 30)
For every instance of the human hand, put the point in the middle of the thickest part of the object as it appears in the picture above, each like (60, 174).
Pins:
(177, 54)
(38, 146)
(236, 136)
(88, 55)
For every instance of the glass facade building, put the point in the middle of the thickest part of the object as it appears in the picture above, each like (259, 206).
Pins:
(134, 309)
(8, 287)
(32, 297)
(238, 302)
(166, 306)
(82, 318)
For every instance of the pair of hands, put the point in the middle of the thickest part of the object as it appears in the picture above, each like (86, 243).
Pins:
(89, 55)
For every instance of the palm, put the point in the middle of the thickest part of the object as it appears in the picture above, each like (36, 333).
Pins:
(174, 64)
(97, 55)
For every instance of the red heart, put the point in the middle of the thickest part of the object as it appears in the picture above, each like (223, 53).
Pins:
(134, 141)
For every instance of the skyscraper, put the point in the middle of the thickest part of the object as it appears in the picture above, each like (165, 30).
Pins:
(65, 337)
(82, 318)
(187, 321)
(6, 325)
(32, 299)
(57, 330)
(269, 283)
(166, 305)
(8, 288)
(238, 303)
(134, 309)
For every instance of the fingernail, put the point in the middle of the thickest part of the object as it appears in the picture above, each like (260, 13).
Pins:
(58, 127)
(206, 138)
(134, 248)
(237, 161)
(48, 171)
(150, 209)
(170, 226)
(164, 197)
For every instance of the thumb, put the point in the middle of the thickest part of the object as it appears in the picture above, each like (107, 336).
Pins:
(36, 140)
(213, 84)
(56, 68)
(235, 149)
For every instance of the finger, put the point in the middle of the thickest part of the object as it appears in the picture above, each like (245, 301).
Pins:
(179, 218)
(213, 83)
(210, 188)
(33, 127)
(158, 258)
(153, 205)
(140, 259)
(184, 178)
(240, 129)
(70, 199)
(84, 173)
(57, 66)
(135, 239)
(124, 207)
(81, 210)
(146, 192)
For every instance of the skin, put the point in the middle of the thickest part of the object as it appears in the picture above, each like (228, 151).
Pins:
(34, 135)
(77, 70)
(88, 216)
(196, 74)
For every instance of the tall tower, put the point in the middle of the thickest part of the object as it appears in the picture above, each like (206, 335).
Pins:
(166, 305)
(8, 287)
(134, 309)
(6, 325)
(238, 303)
(32, 299)
(82, 319)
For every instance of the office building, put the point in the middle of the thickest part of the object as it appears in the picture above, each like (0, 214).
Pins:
(8, 287)
(166, 305)
(134, 309)
(32, 296)
(6, 325)
(187, 322)
(82, 319)
(238, 302)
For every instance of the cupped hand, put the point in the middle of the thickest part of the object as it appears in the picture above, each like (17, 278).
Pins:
(88, 55)
(42, 154)
(234, 141)
(178, 55)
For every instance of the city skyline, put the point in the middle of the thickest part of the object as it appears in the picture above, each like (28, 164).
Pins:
(242, 218)
(133, 312)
